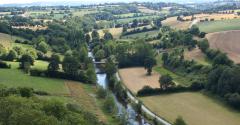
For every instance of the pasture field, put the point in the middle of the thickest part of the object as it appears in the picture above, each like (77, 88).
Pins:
(82, 12)
(127, 15)
(136, 78)
(194, 107)
(172, 22)
(228, 42)
(221, 25)
(16, 78)
(196, 55)
(146, 10)
(142, 35)
(6, 39)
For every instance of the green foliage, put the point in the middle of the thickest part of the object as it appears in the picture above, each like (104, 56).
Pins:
(110, 68)
(11, 55)
(203, 45)
(26, 92)
(194, 30)
(101, 93)
(149, 62)
(43, 47)
(70, 65)
(100, 54)
(26, 61)
(179, 121)
(109, 104)
(165, 81)
(54, 63)
(108, 36)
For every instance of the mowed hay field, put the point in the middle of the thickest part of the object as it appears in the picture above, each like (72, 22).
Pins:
(194, 107)
(116, 32)
(215, 16)
(220, 25)
(197, 55)
(172, 22)
(228, 42)
(136, 78)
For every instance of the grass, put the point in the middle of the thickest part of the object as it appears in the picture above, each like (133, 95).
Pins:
(16, 78)
(221, 25)
(7, 40)
(194, 107)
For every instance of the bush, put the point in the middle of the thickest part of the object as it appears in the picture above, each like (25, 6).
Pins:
(18, 41)
(26, 92)
(36, 72)
(41, 93)
(4, 65)
(147, 91)
(101, 93)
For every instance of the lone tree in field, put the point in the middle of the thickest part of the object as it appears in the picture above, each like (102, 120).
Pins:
(179, 121)
(149, 62)
(26, 61)
(54, 63)
(165, 81)
(108, 36)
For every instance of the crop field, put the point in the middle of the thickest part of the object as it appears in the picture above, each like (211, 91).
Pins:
(194, 107)
(196, 55)
(142, 35)
(215, 16)
(228, 42)
(221, 25)
(116, 32)
(172, 22)
(136, 78)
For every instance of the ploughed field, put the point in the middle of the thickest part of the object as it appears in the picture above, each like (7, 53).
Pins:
(194, 107)
(228, 42)
(136, 78)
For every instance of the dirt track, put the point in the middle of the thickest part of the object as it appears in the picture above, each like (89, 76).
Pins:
(228, 42)
(136, 78)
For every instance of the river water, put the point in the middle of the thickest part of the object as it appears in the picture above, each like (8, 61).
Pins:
(123, 111)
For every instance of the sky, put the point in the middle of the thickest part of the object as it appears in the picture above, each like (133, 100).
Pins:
(88, 1)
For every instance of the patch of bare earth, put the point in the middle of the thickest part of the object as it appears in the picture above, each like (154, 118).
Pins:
(85, 99)
(136, 78)
(228, 42)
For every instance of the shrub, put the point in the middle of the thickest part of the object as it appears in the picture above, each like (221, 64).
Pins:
(101, 93)
(4, 65)
(26, 92)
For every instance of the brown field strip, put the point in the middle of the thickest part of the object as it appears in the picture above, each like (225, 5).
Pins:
(85, 99)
